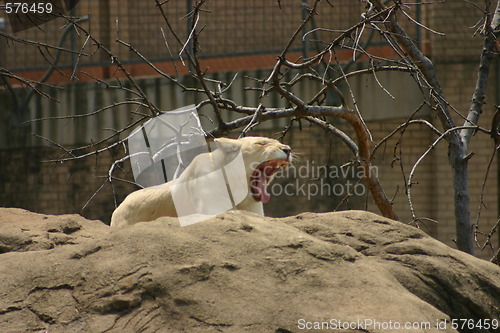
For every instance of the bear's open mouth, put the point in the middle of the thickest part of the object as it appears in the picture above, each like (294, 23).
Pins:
(261, 176)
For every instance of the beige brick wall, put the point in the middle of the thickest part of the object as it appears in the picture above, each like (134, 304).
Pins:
(27, 182)
(229, 27)
(458, 21)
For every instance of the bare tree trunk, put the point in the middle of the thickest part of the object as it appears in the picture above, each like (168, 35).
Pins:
(458, 141)
(463, 226)
(370, 178)
(457, 148)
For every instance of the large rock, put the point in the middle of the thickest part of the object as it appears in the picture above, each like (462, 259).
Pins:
(236, 273)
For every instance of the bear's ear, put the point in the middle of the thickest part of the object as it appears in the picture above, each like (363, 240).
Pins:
(227, 145)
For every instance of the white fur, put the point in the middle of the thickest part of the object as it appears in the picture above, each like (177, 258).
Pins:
(150, 203)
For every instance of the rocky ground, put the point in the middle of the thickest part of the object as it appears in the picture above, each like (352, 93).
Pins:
(237, 272)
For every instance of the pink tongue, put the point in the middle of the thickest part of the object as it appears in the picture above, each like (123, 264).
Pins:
(264, 196)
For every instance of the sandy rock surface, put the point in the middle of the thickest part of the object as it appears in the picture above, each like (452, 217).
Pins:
(238, 272)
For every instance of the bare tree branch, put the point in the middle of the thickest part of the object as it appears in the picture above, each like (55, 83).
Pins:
(476, 107)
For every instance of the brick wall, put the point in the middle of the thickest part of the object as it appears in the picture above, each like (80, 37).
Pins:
(54, 188)
(458, 21)
(230, 27)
